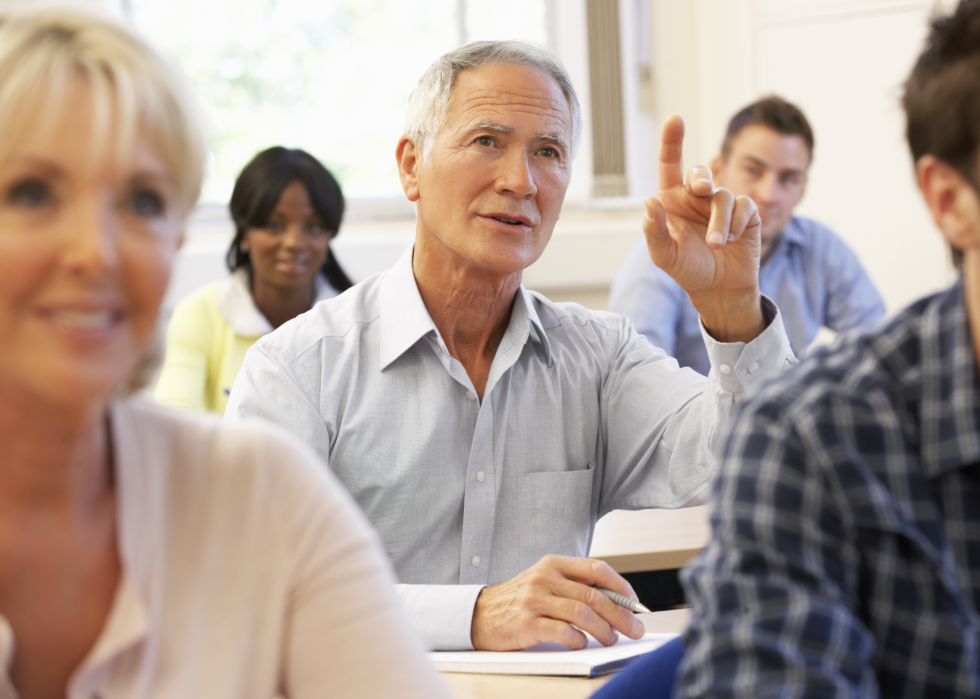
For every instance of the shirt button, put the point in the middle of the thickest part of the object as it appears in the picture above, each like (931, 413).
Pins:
(476, 561)
(754, 367)
(471, 395)
(480, 475)
(725, 369)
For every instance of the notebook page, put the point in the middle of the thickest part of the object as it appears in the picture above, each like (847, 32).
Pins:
(550, 658)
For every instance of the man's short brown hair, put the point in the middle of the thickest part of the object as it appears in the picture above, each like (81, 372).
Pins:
(942, 95)
(774, 112)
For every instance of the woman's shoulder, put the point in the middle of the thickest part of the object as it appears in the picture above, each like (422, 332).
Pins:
(198, 307)
(235, 519)
(206, 459)
(205, 297)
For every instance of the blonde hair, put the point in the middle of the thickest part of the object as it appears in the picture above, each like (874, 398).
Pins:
(45, 49)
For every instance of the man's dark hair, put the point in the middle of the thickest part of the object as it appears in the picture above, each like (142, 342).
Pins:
(257, 191)
(774, 112)
(942, 95)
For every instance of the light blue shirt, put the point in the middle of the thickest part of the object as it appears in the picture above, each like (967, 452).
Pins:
(580, 416)
(812, 275)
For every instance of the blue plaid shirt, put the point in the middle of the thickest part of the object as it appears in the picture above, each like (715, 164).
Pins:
(845, 560)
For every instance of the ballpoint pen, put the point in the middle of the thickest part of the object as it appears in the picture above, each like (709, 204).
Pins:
(624, 601)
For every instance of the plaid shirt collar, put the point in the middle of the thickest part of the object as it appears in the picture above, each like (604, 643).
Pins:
(949, 412)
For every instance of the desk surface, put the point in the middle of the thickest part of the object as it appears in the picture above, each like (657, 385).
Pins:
(463, 686)
(643, 540)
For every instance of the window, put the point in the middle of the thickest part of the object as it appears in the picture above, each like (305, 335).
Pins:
(329, 76)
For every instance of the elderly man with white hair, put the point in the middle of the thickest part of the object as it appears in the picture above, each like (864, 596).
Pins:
(484, 429)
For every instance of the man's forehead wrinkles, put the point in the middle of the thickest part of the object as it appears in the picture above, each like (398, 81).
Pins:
(552, 128)
(468, 116)
(538, 97)
(508, 101)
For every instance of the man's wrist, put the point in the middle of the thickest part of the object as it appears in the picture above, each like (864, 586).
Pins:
(733, 318)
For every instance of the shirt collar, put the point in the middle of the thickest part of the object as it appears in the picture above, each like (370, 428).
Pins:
(950, 397)
(238, 307)
(128, 622)
(524, 325)
(536, 328)
(792, 234)
(405, 319)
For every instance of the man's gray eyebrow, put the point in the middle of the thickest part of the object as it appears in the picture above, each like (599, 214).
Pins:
(556, 137)
(490, 126)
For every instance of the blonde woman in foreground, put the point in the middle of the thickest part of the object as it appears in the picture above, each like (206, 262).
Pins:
(144, 552)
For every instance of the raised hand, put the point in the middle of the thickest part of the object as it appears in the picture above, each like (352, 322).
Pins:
(551, 601)
(708, 241)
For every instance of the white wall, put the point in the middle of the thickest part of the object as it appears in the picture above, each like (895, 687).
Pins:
(569, 38)
(841, 60)
(843, 63)
(640, 129)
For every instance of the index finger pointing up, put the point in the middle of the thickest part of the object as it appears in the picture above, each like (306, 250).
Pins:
(671, 153)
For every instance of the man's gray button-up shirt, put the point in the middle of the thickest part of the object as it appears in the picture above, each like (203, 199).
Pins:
(580, 416)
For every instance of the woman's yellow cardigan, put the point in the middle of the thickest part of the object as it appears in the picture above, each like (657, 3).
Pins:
(209, 332)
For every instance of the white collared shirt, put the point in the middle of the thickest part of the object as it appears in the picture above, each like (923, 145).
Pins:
(580, 416)
(237, 305)
(245, 573)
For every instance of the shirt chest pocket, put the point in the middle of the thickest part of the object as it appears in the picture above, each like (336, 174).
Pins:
(555, 513)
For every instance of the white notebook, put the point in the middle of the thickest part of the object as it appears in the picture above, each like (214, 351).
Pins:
(551, 658)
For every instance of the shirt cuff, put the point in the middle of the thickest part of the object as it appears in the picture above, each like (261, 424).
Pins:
(742, 368)
(442, 615)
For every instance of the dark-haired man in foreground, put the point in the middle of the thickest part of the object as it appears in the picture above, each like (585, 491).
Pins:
(845, 558)
(812, 275)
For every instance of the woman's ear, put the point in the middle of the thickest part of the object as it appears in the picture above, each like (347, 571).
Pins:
(952, 201)
(408, 157)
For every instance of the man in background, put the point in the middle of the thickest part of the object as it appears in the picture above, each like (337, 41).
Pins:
(811, 274)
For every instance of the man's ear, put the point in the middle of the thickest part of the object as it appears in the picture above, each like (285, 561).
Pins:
(953, 201)
(717, 166)
(407, 155)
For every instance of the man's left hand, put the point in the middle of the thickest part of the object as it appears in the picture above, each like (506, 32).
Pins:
(708, 241)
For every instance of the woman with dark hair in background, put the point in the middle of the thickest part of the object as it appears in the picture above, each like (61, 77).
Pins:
(286, 207)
